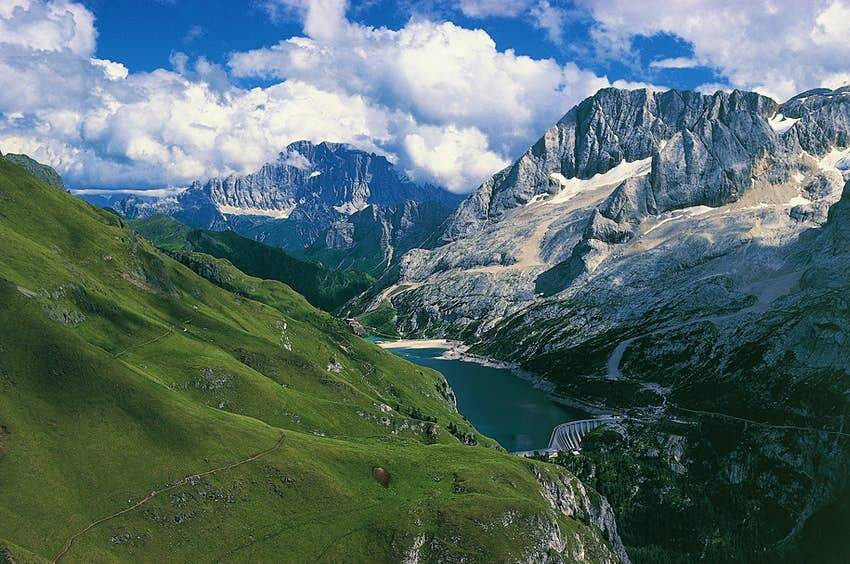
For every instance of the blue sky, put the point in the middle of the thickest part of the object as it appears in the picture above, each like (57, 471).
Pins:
(142, 34)
(156, 93)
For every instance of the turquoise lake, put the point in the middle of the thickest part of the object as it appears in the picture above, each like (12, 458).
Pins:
(500, 404)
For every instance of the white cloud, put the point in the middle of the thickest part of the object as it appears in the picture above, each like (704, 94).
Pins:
(777, 47)
(542, 14)
(439, 100)
(322, 18)
(111, 69)
(833, 24)
(194, 33)
(550, 19)
(490, 8)
(153, 192)
(52, 26)
(439, 73)
(675, 63)
(459, 155)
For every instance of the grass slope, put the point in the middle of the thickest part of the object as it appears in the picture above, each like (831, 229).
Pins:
(381, 321)
(122, 372)
(324, 288)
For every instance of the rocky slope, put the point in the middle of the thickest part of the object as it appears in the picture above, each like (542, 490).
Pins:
(631, 185)
(755, 403)
(670, 251)
(314, 198)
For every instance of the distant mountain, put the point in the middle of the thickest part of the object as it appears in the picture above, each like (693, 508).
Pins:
(324, 288)
(303, 201)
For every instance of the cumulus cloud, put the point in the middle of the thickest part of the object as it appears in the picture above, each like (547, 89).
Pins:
(438, 99)
(460, 155)
(56, 25)
(438, 73)
(777, 47)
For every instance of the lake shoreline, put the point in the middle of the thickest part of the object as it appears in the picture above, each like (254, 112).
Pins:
(457, 350)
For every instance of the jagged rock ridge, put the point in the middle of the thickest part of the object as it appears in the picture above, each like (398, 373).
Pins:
(299, 202)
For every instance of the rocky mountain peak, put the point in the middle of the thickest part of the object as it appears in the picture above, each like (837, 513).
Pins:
(331, 178)
(616, 126)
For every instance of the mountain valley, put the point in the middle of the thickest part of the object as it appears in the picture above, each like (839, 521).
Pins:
(674, 257)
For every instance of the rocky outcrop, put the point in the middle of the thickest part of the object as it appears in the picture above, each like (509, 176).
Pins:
(43, 172)
(577, 526)
(569, 497)
(822, 120)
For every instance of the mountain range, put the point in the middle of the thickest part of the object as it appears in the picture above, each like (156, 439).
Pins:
(326, 201)
(680, 255)
(676, 255)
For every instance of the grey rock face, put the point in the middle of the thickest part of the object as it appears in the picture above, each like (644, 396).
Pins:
(824, 120)
(694, 138)
(626, 187)
(327, 174)
(568, 496)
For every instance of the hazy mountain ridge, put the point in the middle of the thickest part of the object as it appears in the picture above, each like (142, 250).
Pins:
(303, 201)
(324, 288)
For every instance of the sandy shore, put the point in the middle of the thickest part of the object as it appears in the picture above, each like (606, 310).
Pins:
(417, 344)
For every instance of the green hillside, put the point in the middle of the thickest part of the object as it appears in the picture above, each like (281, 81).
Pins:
(149, 413)
(324, 288)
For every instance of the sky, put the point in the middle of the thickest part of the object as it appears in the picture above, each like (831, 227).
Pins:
(158, 93)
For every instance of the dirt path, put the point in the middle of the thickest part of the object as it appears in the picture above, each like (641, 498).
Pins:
(70, 542)
(148, 342)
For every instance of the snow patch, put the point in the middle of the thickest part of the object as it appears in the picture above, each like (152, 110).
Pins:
(798, 201)
(693, 211)
(349, 208)
(836, 159)
(272, 213)
(780, 124)
(314, 174)
(569, 187)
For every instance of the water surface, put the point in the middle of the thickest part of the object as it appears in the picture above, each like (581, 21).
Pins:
(499, 403)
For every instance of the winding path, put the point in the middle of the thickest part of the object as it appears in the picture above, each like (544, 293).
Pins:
(763, 424)
(70, 542)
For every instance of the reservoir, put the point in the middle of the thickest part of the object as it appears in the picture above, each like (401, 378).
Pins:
(499, 403)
